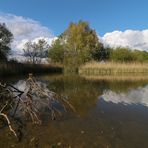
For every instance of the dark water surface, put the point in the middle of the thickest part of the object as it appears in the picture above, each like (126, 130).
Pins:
(110, 114)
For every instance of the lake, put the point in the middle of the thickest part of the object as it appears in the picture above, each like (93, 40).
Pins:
(109, 114)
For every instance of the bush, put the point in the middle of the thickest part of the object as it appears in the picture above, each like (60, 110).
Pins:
(122, 55)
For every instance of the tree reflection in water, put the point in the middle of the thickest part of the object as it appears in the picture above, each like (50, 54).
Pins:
(98, 122)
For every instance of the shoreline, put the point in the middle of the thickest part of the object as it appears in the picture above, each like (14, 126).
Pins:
(18, 69)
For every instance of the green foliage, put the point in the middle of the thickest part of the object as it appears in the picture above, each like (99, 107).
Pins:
(5, 39)
(77, 45)
(140, 56)
(128, 55)
(56, 52)
(121, 55)
(81, 43)
(101, 53)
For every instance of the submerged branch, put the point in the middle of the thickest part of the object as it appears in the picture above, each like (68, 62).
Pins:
(29, 102)
(9, 124)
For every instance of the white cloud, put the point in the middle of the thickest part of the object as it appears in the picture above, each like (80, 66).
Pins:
(25, 29)
(134, 39)
(21, 44)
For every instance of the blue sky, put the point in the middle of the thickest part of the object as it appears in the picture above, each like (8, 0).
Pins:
(103, 15)
(117, 22)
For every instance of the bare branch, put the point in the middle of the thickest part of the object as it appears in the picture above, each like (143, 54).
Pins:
(9, 124)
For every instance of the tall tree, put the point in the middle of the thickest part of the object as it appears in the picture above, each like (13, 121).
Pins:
(56, 51)
(36, 51)
(80, 44)
(6, 38)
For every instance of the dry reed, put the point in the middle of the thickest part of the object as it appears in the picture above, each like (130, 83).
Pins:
(114, 69)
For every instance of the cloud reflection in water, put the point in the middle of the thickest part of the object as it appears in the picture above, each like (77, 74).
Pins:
(134, 96)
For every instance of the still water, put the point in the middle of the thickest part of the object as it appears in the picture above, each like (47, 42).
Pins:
(109, 114)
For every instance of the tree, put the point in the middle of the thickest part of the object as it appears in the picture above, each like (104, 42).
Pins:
(56, 51)
(6, 38)
(36, 51)
(101, 53)
(140, 56)
(122, 55)
(81, 43)
(77, 44)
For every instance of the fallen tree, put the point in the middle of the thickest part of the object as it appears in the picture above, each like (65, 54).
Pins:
(28, 101)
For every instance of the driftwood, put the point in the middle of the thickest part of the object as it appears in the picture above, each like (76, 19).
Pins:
(28, 102)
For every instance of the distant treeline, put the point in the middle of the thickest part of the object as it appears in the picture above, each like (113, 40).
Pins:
(79, 44)
(127, 55)
(12, 67)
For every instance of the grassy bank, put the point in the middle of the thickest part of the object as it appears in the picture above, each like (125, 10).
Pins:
(14, 68)
(114, 69)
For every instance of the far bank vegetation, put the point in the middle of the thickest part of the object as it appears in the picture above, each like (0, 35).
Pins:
(79, 45)
(74, 50)
(114, 69)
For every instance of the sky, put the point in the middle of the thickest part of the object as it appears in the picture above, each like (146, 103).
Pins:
(117, 22)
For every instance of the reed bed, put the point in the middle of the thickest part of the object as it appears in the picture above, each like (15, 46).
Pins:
(114, 69)
(13, 68)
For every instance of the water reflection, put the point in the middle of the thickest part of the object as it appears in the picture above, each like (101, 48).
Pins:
(133, 96)
(105, 122)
